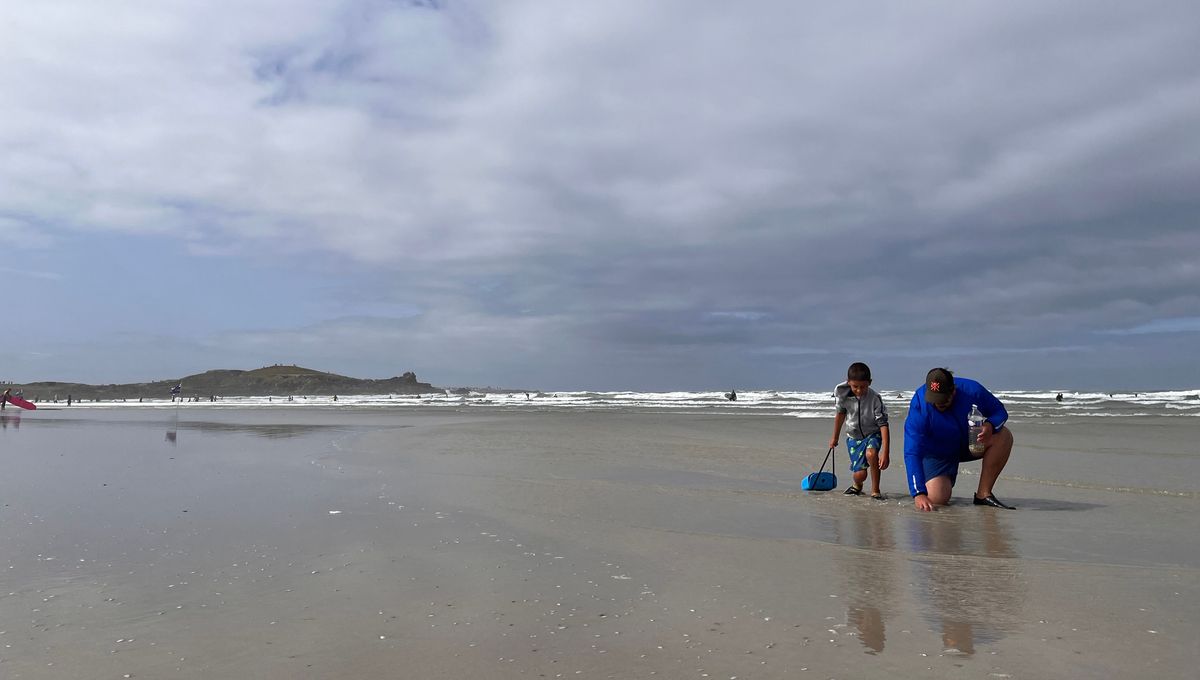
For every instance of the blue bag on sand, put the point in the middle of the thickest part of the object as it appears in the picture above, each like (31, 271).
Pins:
(820, 480)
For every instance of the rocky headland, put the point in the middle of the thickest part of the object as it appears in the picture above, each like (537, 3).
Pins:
(277, 380)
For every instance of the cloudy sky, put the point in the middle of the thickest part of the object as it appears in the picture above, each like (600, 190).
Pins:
(603, 194)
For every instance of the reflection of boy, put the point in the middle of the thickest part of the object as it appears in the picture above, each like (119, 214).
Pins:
(868, 583)
(861, 411)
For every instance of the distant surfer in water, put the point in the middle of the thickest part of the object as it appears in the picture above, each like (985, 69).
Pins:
(731, 395)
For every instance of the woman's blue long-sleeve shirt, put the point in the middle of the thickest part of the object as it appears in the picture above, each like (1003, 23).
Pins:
(930, 433)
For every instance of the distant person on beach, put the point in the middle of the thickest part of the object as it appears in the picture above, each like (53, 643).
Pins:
(861, 412)
(935, 439)
(4, 398)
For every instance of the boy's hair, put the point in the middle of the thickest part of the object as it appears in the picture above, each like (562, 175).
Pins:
(858, 371)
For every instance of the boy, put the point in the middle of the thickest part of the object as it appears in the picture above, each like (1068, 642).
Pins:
(860, 409)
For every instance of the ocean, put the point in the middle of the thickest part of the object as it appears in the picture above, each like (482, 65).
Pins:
(1021, 404)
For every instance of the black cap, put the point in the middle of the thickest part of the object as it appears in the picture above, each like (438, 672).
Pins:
(939, 386)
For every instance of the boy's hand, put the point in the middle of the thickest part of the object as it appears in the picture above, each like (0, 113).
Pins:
(923, 503)
(833, 442)
(884, 459)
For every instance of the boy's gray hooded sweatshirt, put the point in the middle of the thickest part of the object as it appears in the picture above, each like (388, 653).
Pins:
(864, 417)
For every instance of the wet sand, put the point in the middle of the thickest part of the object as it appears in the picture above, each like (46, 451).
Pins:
(337, 544)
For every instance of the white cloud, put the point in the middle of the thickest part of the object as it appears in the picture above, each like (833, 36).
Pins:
(25, 273)
(387, 131)
(22, 234)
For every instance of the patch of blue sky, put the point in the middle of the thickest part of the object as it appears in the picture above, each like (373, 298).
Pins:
(957, 351)
(738, 316)
(154, 285)
(783, 350)
(1190, 324)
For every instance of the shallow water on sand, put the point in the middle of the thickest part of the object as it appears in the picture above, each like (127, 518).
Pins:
(319, 543)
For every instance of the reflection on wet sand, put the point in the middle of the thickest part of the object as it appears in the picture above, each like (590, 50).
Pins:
(269, 431)
(265, 430)
(14, 420)
(867, 573)
(968, 578)
(274, 431)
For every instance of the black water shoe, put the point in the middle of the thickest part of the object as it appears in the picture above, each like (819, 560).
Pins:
(992, 501)
(852, 491)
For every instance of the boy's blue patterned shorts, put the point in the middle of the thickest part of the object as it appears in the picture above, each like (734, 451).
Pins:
(857, 449)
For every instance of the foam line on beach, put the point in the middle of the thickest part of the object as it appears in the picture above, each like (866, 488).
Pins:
(1170, 493)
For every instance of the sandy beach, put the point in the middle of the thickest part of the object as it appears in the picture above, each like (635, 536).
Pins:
(332, 543)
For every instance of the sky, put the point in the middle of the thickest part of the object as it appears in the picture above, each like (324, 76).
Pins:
(603, 194)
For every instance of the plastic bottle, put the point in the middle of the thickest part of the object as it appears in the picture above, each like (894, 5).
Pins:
(974, 429)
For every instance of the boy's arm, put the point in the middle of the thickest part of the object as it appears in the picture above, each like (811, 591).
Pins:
(838, 421)
(881, 419)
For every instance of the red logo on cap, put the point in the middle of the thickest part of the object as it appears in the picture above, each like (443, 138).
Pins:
(935, 386)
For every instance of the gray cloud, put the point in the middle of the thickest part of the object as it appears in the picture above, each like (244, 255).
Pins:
(654, 186)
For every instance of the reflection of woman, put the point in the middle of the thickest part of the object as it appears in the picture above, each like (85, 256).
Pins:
(967, 578)
(867, 573)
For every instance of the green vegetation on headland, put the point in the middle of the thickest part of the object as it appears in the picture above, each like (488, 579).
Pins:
(267, 381)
